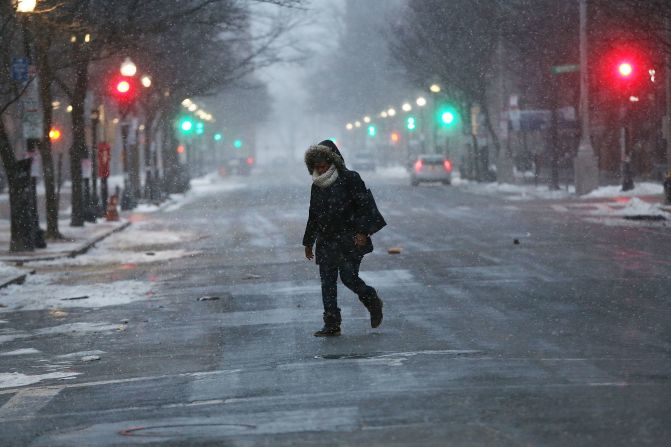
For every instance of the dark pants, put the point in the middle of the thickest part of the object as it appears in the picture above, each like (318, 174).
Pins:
(349, 274)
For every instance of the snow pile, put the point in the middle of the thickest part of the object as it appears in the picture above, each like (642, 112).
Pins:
(641, 189)
(636, 207)
(513, 192)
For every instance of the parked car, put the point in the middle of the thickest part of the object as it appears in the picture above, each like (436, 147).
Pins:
(241, 166)
(363, 161)
(431, 168)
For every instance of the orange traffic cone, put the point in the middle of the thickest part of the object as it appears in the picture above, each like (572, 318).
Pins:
(112, 214)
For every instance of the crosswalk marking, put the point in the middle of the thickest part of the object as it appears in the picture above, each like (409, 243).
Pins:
(28, 402)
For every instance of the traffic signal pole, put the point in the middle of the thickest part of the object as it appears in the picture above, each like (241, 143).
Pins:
(585, 164)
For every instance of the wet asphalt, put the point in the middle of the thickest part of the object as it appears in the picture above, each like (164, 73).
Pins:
(506, 323)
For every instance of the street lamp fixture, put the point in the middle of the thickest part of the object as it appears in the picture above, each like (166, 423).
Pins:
(192, 107)
(383, 115)
(146, 81)
(406, 107)
(128, 68)
(349, 126)
(391, 112)
(357, 124)
(366, 119)
(25, 5)
(421, 101)
(435, 88)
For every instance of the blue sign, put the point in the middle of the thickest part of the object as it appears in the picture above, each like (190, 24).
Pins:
(20, 69)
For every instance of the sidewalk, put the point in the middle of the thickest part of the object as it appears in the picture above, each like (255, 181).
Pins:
(78, 240)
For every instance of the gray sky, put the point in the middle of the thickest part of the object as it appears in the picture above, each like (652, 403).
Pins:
(291, 129)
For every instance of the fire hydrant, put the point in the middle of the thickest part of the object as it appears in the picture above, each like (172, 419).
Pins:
(112, 214)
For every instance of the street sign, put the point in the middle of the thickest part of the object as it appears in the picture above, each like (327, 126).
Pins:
(20, 69)
(32, 114)
(559, 69)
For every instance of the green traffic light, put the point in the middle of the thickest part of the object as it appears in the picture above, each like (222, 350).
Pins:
(200, 128)
(237, 144)
(411, 123)
(372, 130)
(447, 116)
(186, 125)
(218, 137)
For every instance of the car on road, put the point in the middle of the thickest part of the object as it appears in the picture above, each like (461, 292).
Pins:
(241, 165)
(363, 161)
(431, 168)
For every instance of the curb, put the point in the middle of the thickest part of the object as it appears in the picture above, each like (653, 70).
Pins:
(19, 280)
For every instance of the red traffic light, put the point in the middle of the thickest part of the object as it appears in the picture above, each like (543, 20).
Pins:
(625, 69)
(124, 90)
(123, 87)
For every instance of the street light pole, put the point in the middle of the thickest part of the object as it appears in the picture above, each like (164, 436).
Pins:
(585, 163)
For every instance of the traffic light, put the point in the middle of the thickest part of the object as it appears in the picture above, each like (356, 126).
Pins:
(124, 91)
(447, 116)
(186, 125)
(54, 134)
(395, 137)
(237, 144)
(372, 130)
(218, 137)
(625, 69)
(200, 128)
(410, 123)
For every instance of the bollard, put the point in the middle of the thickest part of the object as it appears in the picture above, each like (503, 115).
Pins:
(112, 214)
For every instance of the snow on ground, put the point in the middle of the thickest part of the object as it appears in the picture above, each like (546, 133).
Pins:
(634, 207)
(8, 271)
(209, 184)
(512, 192)
(31, 296)
(641, 189)
(26, 351)
(13, 380)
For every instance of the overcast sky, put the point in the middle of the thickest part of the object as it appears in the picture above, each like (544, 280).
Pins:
(291, 128)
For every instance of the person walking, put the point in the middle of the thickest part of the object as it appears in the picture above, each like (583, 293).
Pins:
(339, 224)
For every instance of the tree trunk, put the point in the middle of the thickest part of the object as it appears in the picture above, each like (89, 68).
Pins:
(52, 202)
(22, 236)
(78, 149)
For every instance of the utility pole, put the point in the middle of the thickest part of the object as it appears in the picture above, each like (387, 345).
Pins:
(585, 163)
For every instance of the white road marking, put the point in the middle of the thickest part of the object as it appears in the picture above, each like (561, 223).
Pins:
(27, 403)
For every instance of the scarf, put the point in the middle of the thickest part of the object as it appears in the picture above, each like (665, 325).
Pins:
(326, 179)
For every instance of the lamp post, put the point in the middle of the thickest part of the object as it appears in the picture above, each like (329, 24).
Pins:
(128, 70)
(32, 125)
(585, 163)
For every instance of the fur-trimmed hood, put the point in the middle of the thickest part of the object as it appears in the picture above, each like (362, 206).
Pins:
(320, 152)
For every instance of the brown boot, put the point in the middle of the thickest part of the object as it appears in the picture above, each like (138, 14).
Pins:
(374, 305)
(331, 326)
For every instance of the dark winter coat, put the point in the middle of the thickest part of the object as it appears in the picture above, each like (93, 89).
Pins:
(337, 212)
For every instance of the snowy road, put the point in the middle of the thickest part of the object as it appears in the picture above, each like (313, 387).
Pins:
(507, 322)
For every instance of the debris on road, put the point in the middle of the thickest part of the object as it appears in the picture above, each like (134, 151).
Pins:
(84, 297)
(516, 241)
(394, 250)
(252, 276)
(208, 298)
(90, 358)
